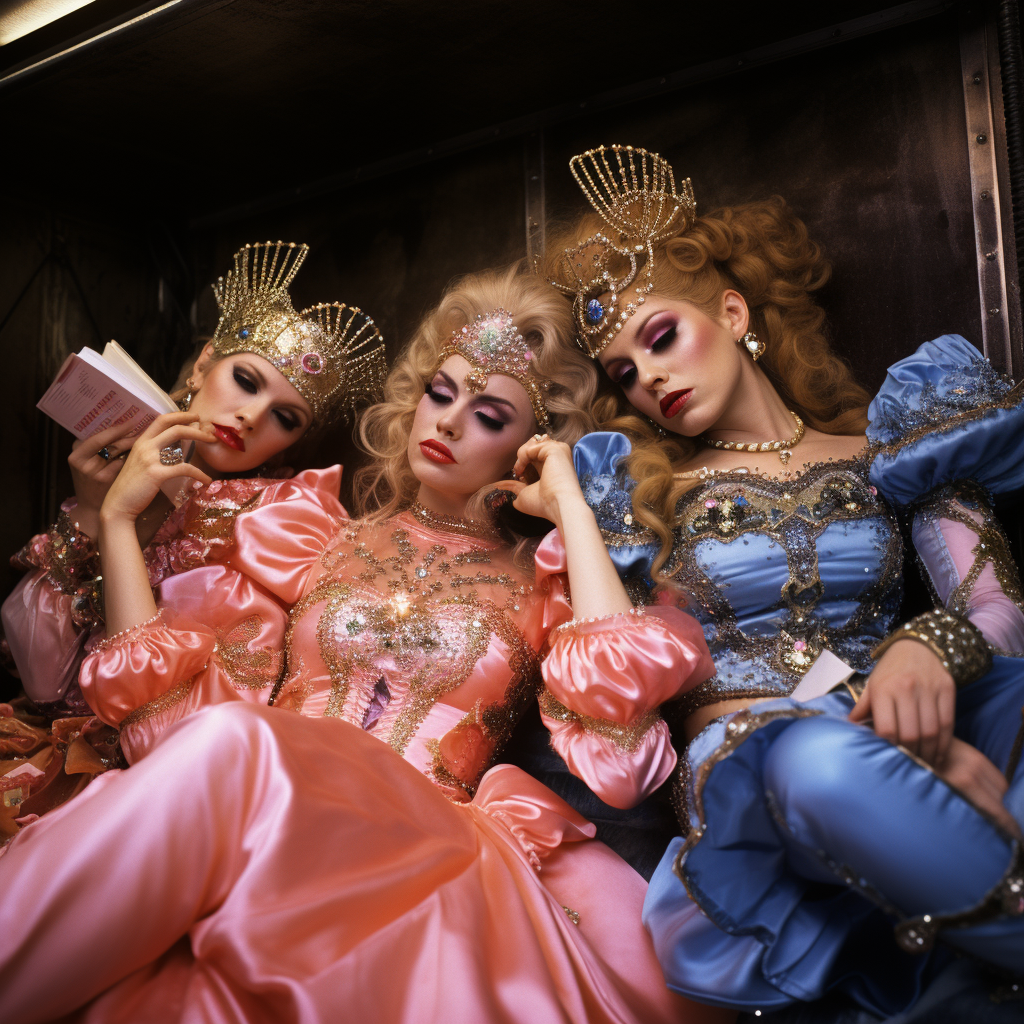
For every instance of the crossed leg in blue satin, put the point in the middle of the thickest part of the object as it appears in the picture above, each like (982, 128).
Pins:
(849, 808)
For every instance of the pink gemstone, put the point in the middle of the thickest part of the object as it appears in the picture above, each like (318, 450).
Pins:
(874, 490)
(799, 645)
(710, 503)
(529, 354)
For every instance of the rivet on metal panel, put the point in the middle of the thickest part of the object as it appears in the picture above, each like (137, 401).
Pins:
(986, 194)
(982, 139)
(994, 311)
(991, 255)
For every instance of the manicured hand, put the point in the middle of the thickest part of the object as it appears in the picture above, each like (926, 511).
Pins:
(139, 481)
(557, 491)
(970, 771)
(911, 699)
(92, 475)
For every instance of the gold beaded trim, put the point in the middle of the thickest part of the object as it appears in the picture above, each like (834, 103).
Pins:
(637, 612)
(453, 524)
(626, 737)
(131, 633)
(167, 700)
(958, 643)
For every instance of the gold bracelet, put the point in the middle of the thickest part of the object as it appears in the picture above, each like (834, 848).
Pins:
(958, 643)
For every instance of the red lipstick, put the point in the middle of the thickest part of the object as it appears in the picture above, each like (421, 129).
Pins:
(437, 451)
(229, 436)
(674, 401)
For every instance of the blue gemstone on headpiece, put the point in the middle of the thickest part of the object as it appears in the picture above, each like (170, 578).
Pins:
(595, 311)
(244, 333)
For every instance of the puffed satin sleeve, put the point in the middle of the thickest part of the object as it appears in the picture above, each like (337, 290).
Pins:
(944, 415)
(279, 543)
(608, 489)
(604, 680)
(46, 645)
(218, 637)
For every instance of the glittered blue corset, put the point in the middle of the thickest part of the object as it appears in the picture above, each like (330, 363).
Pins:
(776, 571)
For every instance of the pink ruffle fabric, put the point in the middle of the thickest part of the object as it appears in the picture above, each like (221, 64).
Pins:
(45, 643)
(262, 866)
(610, 675)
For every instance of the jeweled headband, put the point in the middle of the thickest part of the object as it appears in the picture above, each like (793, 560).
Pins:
(332, 354)
(634, 193)
(492, 344)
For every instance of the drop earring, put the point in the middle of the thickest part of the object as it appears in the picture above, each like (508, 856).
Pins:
(753, 344)
(185, 402)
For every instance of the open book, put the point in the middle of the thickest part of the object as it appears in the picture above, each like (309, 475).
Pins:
(93, 392)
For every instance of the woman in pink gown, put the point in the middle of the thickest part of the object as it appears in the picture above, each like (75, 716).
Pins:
(349, 853)
(255, 405)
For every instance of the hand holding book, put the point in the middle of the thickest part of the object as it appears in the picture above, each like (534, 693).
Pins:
(145, 473)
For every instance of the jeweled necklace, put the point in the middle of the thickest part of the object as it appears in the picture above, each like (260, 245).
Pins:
(452, 524)
(782, 447)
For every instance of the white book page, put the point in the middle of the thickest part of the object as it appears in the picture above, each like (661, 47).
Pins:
(122, 362)
(90, 395)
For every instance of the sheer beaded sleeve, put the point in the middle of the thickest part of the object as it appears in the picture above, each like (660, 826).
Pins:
(967, 562)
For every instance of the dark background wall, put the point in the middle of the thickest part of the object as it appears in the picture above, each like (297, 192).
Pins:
(408, 145)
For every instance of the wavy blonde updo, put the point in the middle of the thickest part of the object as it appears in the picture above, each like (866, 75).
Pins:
(761, 250)
(545, 322)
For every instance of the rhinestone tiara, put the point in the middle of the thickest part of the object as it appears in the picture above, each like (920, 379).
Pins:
(634, 192)
(492, 344)
(331, 353)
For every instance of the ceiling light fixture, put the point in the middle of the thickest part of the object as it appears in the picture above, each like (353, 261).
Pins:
(19, 18)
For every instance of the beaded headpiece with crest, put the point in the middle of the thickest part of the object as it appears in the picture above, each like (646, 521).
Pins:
(492, 344)
(331, 353)
(634, 192)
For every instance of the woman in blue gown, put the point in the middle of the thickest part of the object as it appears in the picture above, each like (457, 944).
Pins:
(851, 795)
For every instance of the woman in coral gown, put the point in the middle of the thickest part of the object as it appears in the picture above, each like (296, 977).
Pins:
(349, 852)
(247, 400)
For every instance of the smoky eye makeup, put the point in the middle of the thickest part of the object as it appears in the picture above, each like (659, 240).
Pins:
(440, 389)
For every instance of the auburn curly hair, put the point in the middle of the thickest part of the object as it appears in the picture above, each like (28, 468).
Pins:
(761, 250)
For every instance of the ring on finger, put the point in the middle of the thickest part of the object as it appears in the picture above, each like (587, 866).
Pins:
(105, 454)
(172, 455)
(540, 437)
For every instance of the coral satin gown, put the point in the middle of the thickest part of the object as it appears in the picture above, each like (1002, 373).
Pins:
(346, 855)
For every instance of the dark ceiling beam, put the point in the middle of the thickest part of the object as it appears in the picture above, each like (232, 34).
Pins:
(841, 32)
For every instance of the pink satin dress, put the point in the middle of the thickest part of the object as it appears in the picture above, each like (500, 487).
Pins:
(349, 853)
(51, 748)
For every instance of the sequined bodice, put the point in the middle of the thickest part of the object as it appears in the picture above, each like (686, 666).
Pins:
(425, 639)
(777, 570)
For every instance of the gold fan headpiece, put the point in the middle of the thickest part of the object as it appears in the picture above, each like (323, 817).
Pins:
(634, 192)
(331, 353)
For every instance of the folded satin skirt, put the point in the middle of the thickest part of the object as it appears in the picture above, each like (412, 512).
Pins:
(811, 838)
(259, 866)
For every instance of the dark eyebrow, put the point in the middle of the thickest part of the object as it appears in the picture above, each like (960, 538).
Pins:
(482, 398)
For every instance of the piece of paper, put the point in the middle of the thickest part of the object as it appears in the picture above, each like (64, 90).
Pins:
(827, 672)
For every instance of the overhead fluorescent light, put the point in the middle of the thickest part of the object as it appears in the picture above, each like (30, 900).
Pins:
(20, 17)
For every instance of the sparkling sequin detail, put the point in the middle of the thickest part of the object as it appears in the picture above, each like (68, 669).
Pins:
(793, 515)
(401, 616)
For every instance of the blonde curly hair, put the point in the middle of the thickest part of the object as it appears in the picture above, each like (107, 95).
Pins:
(761, 250)
(544, 319)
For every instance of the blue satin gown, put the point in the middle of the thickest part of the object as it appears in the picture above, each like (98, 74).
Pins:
(814, 855)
